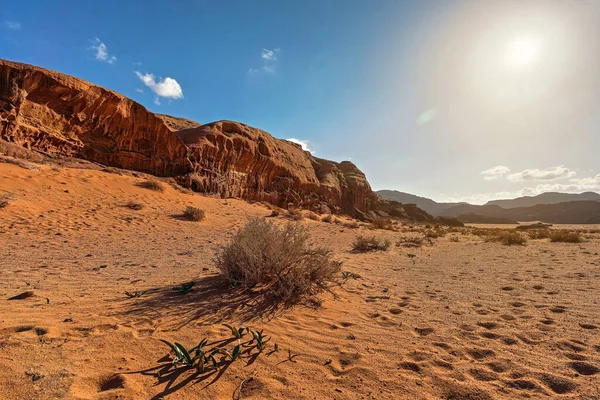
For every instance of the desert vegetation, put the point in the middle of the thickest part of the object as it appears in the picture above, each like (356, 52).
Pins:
(152, 184)
(364, 244)
(279, 260)
(383, 223)
(194, 214)
(565, 236)
(134, 205)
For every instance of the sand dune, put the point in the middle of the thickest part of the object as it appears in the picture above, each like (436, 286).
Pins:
(465, 320)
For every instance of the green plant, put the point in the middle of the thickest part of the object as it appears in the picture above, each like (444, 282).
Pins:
(260, 340)
(291, 356)
(193, 214)
(135, 295)
(364, 244)
(184, 287)
(237, 332)
(235, 353)
(182, 356)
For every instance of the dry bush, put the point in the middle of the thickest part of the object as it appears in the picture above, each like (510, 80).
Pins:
(435, 233)
(410, 242)
(276, 260)
(328, 218)
(134, 206)
(152, 184)
(363, 244)
(352, 225)
(383, 223)
(539, 233)
(313, 216)
(295, 214)
(507, 237)
(194, 213)
(565, 236)
(455, 239)
(274, 213)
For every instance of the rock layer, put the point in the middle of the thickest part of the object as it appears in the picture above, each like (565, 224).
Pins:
(61, 115)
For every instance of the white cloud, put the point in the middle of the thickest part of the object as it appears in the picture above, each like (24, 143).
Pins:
(495, 172)
(303, 144)
(535, 174)
(12, 25)
(575, 185)
(269, 55)
(139, 90)
(101, 52)
(270, 62)
(168, 87)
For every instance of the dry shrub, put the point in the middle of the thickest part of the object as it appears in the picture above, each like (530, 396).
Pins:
(410, 242)
(295, 214)
(363, 244)
(152, 184)
(274, 213)
(313, 216)
(435, 233)
(328, 218)
(352, 225)
(383, 223)
(507, 237)
(194, 214)
(134, 206)
(455, 239)
(276, 260)
(539, 233)
(565, 236)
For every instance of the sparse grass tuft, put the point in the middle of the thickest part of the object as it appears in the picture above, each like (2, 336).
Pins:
(263, 255)
(410, 242)
(363, 244)
(352, 225)
(506, 237)
(565, 236)
(194, 214)
(383, 223)
(152, 184)
(539, 233)
(328, 218)
(295, 214)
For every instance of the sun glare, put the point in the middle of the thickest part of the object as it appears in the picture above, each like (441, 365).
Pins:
(522, 52)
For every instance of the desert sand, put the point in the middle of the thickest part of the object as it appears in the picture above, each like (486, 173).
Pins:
(463, 319)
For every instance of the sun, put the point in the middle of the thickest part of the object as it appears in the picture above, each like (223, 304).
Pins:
(522, 52)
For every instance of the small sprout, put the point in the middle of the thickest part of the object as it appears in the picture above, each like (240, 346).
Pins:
(349, 275)
(260, 340)
(182, 356)
(235, 353)
(135, 295)
(184, 287)
(291, 356)
(236, 332)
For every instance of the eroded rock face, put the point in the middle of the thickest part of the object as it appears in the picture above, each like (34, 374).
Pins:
(60, 115)
(236, 160)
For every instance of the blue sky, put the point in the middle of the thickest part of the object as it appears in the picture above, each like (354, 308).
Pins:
(405, 89)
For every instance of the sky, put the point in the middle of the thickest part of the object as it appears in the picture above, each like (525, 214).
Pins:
(454, 100)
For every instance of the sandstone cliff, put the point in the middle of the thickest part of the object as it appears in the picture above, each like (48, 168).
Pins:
(61, 115)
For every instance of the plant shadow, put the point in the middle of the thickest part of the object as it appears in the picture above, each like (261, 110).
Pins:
(211, 301)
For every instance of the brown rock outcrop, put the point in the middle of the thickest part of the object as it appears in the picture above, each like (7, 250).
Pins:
(61, 115)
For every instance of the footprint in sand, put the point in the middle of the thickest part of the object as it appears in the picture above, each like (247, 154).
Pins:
(488, 325)
(557, 384)
(588, 326)
(558, 309)
(481, 354)
(584, 368)
(424, 331)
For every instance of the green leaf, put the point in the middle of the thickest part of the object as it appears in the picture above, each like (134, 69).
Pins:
(236, 352)
(184, 353)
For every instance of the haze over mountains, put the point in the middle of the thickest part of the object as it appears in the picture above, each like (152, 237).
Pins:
(547, 207)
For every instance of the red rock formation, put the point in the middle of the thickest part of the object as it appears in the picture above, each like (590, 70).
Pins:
(61, 115)
(236, 160)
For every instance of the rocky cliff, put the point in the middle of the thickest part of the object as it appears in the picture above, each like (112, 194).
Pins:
(61, 115)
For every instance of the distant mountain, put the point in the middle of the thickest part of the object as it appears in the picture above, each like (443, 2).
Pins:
(431, 206)
(571, 212)
(482, 219)
(544, 198)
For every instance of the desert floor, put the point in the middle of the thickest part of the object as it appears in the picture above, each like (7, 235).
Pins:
(466, 320)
